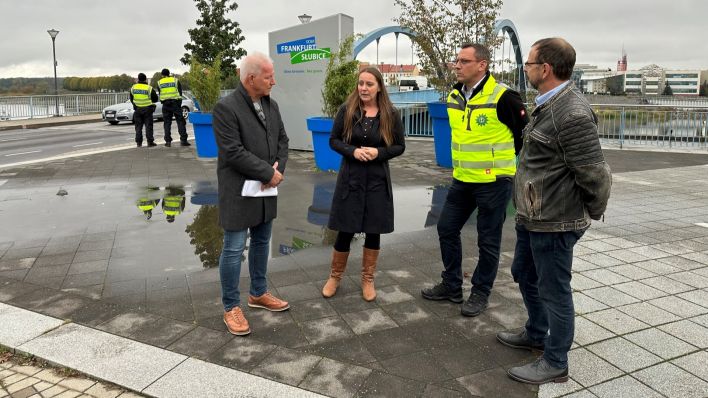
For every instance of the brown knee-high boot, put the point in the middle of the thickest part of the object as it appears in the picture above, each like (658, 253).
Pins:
(339, 263)
(368, 267)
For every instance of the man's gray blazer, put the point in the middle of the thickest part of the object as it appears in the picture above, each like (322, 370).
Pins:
(248, 148)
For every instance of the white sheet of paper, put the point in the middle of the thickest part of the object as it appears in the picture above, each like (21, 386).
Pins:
(252, 188)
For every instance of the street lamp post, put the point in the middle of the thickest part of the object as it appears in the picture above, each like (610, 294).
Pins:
(304, 18)
(53, 33)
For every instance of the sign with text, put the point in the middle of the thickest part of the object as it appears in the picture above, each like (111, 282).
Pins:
(300, 55)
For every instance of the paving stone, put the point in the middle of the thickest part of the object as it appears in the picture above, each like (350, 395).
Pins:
(495, 383)
(195, 378)
(351, 350)
(161, 332)
(584, 304)
(14, 388)
(616, 321)
(417, 366)
(242, 353)
(312, 309)
(587, 332)
(682, 263)
(660, 343)
(287, 366)
(553, 390)
(678, 306)
(623, 354)
(582, 282)
(632, 271)
(102, 355)
(77, 383)
(464, 360)
(639, 290)
(326, 329)
(673, 381)
(335, 379)
(649, 252)
(389, 343)
(701, 320)
(381, 384)
(32, 325)
(657, 267)
(127, 323)
(42, 385)
(690, 278)
(699, 297)
(368, 321)
(407, 312)
(103, 391)
(648, 313)
(588, 369)
(610, 296)
(392, 295)
(474, 327)
(688, 331)
(53, 391)
(49, 376)
(28, 370)
(434, 334)
(667, 285)
(23, 393)
(300, 292)
(625, 387)
(696, 363)
(200, 342)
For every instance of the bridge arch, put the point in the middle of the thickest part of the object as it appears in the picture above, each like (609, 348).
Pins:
(502, 25)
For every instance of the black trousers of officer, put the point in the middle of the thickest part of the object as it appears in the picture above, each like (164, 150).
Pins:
(143, 116)
(174, 108)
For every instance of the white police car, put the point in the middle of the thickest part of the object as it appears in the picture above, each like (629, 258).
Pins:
(123, 112)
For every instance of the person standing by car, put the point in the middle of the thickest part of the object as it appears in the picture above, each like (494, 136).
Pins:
(171, 99)
(143, 98)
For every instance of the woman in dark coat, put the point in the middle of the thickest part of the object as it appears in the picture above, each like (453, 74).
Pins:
(367, 132)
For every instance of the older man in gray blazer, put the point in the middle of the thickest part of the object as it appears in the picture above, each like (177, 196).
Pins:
(252, 146)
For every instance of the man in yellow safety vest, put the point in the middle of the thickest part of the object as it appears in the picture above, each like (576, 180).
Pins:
(171, 99)
(143, 98)
(487, 120)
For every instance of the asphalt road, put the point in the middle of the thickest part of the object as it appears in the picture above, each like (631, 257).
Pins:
(34, 144)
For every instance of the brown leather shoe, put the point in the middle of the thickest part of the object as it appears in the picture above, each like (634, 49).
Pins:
(339, 263)
(368, 267)
(236, 323)
(268, 302)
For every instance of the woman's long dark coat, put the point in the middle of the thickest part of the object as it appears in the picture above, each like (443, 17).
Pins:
(363, 197)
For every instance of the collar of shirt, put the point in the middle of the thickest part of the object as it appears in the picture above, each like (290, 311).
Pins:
(468, 92)
(543, 98)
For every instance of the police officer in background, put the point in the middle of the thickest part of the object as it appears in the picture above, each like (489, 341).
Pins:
(171, 98)
(173, 203)
(143, 98)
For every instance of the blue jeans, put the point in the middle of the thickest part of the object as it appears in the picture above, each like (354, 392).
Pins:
(542, 268)
(462, 199)
(230, 262)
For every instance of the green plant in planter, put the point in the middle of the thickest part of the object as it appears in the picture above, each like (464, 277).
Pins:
(205, 83)
(340, 78)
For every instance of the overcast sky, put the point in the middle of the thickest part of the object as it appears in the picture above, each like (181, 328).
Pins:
(99, 37)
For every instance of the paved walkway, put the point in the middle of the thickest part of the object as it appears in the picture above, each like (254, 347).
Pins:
(91, 258)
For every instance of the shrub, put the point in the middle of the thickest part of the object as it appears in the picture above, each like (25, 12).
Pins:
(340, 78)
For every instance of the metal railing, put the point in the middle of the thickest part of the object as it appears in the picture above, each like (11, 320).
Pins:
(40, 106)
(620, 125)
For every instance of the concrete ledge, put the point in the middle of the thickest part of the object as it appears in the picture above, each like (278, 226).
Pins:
(48, 122)
(18, 326)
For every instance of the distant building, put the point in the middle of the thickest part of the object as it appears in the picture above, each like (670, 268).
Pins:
(392, 74)
(653, 80)
(685, 82)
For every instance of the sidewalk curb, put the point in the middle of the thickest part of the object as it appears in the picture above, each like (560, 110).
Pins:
(48, 124)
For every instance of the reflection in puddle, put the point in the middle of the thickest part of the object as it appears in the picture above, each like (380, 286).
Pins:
(206, 235)
(299, 224)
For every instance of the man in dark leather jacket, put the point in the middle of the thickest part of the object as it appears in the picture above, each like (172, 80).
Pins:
(562, 182)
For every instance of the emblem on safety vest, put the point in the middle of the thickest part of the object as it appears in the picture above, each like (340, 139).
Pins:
(481, 120)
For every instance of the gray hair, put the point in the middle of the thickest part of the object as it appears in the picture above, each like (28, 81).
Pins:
(252, 64)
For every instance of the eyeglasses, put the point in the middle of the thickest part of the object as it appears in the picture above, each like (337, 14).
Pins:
(465, 61)
(533, 63)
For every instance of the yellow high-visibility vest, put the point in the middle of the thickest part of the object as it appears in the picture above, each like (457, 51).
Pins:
(482, 146)
(141, 95)
(168, 88)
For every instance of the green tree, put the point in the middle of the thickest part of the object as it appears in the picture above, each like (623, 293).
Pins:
(155, 79)
(441, 26)
(668, 90)
(216, 35)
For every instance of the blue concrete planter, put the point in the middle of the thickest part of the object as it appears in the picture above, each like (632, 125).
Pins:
(204, 134)
(325, 157)
(442, 135)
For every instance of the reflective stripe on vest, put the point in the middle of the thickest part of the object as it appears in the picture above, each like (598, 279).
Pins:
(172, 205)
(168, 88)
(482, 146)
(141, 95)
(146, 204)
